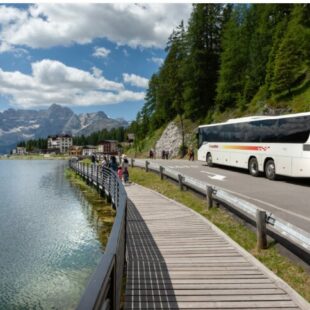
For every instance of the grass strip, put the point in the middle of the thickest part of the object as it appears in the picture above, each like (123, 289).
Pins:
(101, 214)
(289, 271)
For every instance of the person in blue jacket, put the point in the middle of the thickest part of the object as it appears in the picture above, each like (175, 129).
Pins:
(113, 164)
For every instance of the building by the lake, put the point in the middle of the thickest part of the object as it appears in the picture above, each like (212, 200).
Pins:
(61, 142)
(108, 147)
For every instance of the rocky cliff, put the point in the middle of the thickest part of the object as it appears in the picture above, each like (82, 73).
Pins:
(170, 140)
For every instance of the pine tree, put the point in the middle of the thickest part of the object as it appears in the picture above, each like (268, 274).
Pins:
(203, 39)
(292, 58)
(234, 60)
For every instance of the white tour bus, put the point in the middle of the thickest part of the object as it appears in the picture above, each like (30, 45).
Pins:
(275, 145)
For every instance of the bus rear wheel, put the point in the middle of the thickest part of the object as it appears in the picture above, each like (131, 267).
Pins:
(253, 167)
(209, 160)
(270, 170)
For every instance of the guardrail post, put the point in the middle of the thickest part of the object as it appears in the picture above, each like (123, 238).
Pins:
(180, 177)
(147, 166)
(132, 162)
(161, 171)
(261, 229)
(209, 197)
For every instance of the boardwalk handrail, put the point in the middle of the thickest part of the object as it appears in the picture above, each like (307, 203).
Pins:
(286, 233)
(104, 288)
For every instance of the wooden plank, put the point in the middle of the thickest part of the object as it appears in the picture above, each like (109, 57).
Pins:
(175, 260)
(213, 305)
(164, 285)
(140, 290)
(275, 297)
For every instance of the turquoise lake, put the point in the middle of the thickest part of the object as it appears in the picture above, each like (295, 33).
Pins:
(49, 245)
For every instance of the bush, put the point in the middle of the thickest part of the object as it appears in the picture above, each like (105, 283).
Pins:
(183, 149)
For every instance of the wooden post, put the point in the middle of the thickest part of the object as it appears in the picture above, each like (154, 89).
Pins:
(261, 229)
(161, 171)
(147, 166)
(180, 177)
(132, 162)
(209, 197)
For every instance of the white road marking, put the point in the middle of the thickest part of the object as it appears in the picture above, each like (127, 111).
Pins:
(305, 218)
(184, 166)
(214, 176)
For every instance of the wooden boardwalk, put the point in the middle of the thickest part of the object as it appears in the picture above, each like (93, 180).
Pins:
(176, 259)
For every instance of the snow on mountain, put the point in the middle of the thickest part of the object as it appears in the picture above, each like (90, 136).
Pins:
(18, 125)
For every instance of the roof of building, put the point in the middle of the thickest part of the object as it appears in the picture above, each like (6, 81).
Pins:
(89, 147)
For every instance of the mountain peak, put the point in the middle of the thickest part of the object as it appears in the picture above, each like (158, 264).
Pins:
(18, 125)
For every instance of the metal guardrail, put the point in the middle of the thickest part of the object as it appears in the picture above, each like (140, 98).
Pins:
(279, 229)
(104, 288)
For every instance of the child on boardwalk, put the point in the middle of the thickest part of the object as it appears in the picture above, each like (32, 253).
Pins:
(120, 172)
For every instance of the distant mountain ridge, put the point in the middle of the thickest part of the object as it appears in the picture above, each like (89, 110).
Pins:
(18, 125)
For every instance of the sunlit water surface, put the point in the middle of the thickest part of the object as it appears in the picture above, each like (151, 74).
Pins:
(48, 244)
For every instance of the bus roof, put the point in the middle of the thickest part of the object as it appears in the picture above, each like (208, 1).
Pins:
(255, 118)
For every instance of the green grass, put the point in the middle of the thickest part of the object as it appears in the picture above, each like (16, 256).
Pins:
(289, 271)
(102, 215)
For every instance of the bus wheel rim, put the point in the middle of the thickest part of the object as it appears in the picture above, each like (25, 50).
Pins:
(271, 169)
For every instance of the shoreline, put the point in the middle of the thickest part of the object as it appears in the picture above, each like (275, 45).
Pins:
(34, 157)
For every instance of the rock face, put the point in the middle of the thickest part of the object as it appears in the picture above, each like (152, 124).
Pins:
(170, 140)
(19, 125)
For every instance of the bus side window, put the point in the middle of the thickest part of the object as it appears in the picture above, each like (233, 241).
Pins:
(294, 130)
(269, 130)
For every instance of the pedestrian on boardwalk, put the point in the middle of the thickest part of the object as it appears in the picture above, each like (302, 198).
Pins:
(104, 162)
(120, 172)
(125, 162)
(113, 163)
(126, 175)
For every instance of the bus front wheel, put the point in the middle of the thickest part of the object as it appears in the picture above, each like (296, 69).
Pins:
(270, 170)
(253, 167)
(209, 160)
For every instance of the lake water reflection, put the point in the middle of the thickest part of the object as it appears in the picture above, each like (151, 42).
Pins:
(48, 247)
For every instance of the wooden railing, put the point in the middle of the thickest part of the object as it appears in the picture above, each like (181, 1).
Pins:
(104, 288)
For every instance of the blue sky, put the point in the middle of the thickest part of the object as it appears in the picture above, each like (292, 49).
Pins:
(89, 57)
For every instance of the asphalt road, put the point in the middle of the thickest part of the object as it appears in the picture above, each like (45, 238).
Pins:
(287, 198)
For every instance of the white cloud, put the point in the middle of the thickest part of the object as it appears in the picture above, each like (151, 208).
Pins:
(159, 61)
(135, 80)
(101, 52)
(53, 82)
(50, 24)
(96, 72)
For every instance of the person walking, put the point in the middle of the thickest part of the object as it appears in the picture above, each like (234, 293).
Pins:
(167, 154)
(163, 154)
(113, 163)
(191, 154)
(120, 172)
(126, 175)
(151, 154)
